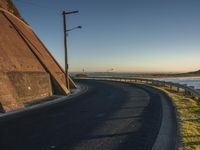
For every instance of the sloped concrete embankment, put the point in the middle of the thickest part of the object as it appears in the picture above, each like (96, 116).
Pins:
(27, 70)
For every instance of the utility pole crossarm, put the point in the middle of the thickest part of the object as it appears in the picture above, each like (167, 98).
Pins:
(70, 12)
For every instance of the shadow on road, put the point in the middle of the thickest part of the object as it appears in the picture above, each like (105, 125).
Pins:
(106, 117)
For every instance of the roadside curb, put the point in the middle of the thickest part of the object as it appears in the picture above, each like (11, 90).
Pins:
(79, 91)
(164, 140)
(168, 137)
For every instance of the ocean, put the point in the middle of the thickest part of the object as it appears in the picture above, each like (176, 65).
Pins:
(189, 81)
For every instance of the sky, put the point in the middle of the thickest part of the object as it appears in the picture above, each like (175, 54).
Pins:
(126, 35)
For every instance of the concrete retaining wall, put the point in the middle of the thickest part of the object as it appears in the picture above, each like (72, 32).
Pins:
(28, 71)
(19, 88)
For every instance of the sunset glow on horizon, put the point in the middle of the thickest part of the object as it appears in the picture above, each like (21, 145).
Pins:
(128, 36)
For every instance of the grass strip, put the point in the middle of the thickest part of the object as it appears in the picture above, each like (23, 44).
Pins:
(188, 110)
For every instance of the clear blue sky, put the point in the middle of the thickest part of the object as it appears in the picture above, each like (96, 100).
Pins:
(127, 35)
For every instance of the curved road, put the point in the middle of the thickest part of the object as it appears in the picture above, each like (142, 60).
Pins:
(108, 116)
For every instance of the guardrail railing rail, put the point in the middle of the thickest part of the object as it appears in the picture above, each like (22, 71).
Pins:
(186, 90)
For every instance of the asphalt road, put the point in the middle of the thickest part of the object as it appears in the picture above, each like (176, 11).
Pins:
(108, 116)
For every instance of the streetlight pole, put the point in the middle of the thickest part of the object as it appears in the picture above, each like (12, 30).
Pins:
(65, 45)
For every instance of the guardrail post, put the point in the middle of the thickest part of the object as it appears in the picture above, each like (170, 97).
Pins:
(185, 92)
(192, 96)
(178, 89)
(188, 93)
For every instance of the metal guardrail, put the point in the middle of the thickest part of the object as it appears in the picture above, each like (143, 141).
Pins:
(187, 90)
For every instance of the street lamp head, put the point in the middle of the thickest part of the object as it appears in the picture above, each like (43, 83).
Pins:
(78, 27)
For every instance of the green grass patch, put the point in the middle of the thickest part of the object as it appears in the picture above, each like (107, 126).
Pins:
(189, 119)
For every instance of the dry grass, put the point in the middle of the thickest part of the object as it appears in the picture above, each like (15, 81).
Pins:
(189, 118)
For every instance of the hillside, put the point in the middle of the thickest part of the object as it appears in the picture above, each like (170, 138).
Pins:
(166, 75)
(194, 73)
